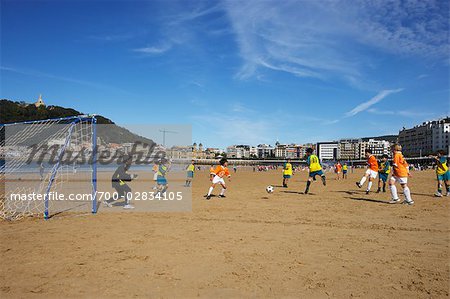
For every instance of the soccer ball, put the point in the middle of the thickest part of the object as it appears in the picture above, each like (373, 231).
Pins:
(269, 189)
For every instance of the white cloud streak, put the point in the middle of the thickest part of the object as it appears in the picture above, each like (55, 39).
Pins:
(39, 74)
(366, 105)
(154, 49)
(315, 38)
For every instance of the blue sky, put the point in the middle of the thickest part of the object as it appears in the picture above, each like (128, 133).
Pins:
(238, 71)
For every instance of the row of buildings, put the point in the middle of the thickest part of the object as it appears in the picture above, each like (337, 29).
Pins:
(418, 141)
(346, 149)
(426, 138)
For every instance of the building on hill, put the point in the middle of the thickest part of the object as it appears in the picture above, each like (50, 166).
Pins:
(426, 138)
(39, 102)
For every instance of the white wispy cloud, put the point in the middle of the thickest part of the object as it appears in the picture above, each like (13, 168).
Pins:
(111, 37)
(154, 49)
(406, 113)
(237, 129)
(366, 105)
(179, 26)
(315, 38)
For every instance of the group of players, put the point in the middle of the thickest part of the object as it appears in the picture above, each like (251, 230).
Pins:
(398, 169)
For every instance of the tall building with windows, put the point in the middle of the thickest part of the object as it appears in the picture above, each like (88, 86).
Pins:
(348, 149)
(426, 138)
(327, 150)
(265, 151)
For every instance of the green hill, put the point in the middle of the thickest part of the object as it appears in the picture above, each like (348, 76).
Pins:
(11, 112)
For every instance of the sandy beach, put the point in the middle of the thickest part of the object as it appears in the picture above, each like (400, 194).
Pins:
(337, 242)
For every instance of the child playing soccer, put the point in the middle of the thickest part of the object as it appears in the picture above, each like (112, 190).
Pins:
(118, 182)
(383, 171)
(337, 170)
(344, 171)
(161, 180)
(400, 175)
(220, 171)
(442, 173)
(314, 169)
(371, 172)
(155, 174)
(287, 172)
(190, 174)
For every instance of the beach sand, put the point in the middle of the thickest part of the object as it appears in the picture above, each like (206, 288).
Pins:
(336, 242)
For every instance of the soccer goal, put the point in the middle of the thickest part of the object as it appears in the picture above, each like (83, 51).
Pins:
(48, 167)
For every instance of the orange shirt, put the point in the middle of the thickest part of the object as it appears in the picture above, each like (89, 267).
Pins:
(400, 165)
(373, 163)
(338, 167)
(221, 171)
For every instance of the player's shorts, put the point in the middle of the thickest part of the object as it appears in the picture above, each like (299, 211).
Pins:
(190, 174)
(286, 176)
(344, 171)
(372, 174)
(155, 176)
(218, 179)
(384, 177)
(444, 177)
(401, 180)
(314, 173)
(161, 180)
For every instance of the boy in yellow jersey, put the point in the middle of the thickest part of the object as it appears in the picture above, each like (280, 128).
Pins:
(219, 173)
(383, 172)
(287, 172)
(344, 171)
(442, 173)
(400, 175)
(164, 166)
(314, 168)
(190, 174)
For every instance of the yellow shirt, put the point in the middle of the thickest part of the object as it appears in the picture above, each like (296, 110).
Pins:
(191, 168)
(345, 167)
(314, 164)
(287, 169)
(439, 170)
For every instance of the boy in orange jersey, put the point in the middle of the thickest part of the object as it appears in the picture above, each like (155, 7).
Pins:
(400, 175)
(371, 172)
(219, 173)
(337, 170)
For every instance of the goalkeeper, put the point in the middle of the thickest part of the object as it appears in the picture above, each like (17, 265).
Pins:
(119, 179)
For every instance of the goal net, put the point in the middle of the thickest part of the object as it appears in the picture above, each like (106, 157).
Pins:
(48, 167)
